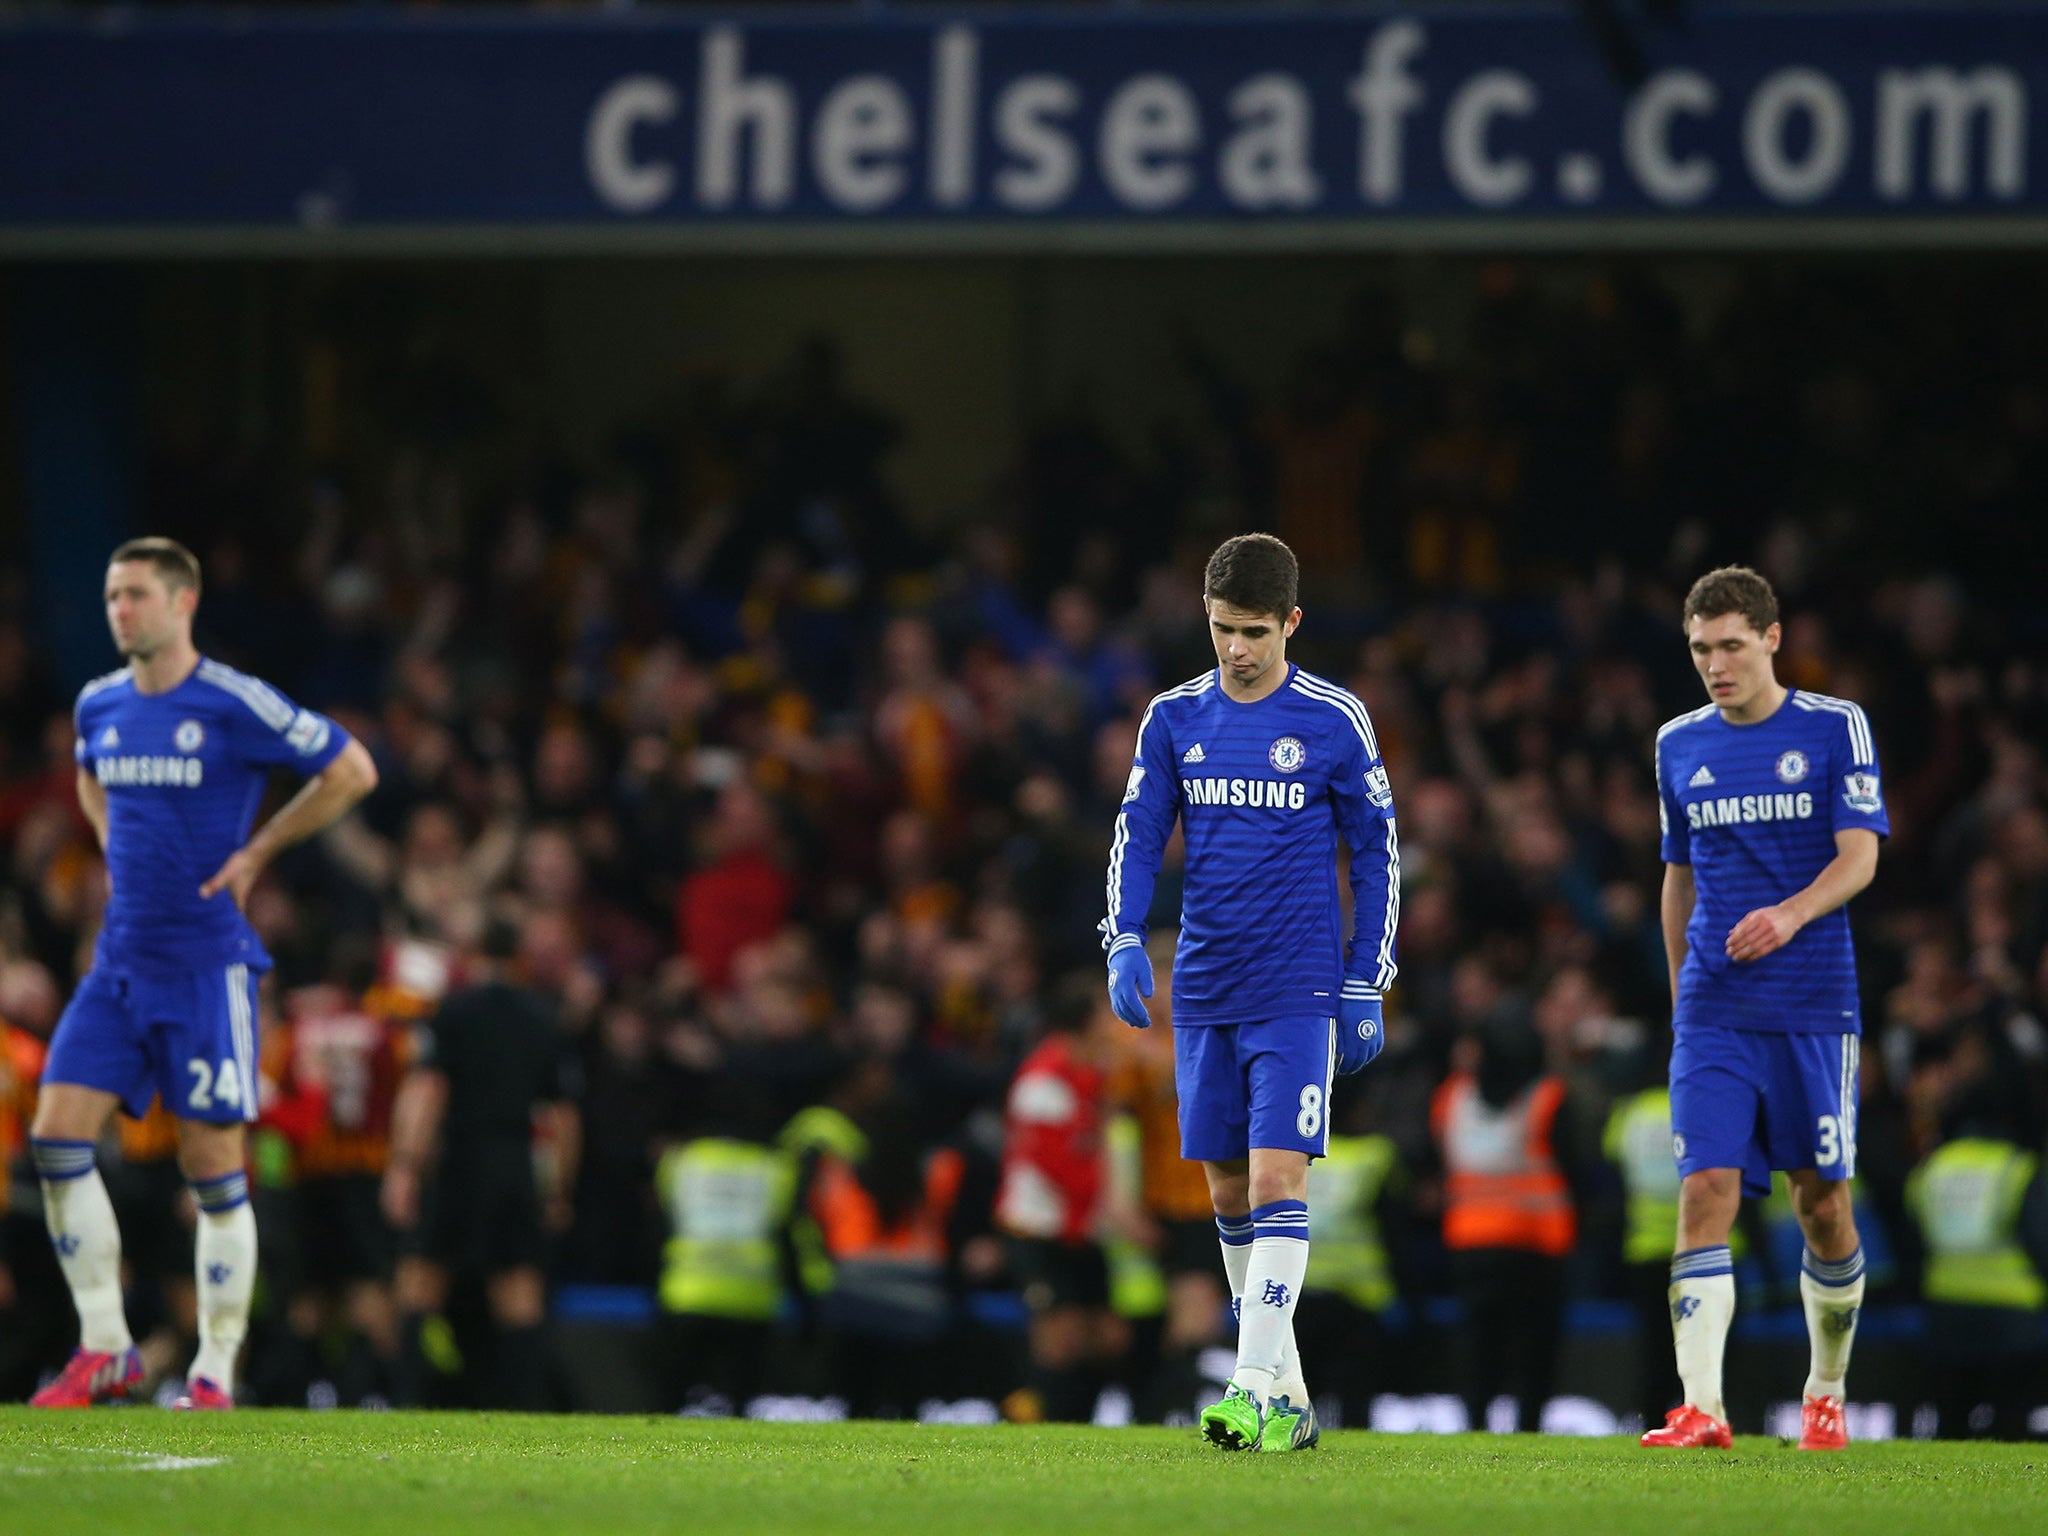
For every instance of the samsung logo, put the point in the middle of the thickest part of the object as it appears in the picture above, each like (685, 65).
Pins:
(181, 771)
(1731, 809)
(1262, 794)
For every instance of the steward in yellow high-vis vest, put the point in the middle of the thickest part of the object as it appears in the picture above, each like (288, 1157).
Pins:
(1638, 1142)
(1967, 1199)
(1349, 1256)
(727, 1202)
(1982, 1211)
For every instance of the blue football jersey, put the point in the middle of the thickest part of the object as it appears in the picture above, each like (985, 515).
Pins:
(1754, 810)
(1261, 792)
(184, 772)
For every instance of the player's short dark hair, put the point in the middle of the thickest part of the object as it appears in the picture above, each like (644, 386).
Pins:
(1732, 589)
(1255, 573)
(178, 566)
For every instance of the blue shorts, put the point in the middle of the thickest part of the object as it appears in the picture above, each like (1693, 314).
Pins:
(1760, 1100)
(1254, 1085)
(190, 1039)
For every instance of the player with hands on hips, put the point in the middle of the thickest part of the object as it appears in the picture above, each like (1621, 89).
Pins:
(174, 751)
(1265, 767)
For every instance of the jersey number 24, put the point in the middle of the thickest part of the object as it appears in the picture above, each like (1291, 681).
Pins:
(210, 1085)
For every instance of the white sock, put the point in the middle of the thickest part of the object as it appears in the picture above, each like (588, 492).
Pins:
(1702, 1306)
(1290, 1383)
(1272, 1286)
(1234, 1236)
(225, 1268)
(87, 1239)
(1833, 1298)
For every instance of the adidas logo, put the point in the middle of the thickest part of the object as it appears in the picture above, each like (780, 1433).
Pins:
(110, 738)
(1703, 777)
(1194, 754)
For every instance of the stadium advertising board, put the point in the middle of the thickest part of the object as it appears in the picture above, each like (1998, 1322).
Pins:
(1021, 120)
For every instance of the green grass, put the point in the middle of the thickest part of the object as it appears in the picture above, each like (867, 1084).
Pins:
(303, 1474)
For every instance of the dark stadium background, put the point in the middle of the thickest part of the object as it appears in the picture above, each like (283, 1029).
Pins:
(830, 584)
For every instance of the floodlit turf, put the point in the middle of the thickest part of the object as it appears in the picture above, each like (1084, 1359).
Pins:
(302, 1474)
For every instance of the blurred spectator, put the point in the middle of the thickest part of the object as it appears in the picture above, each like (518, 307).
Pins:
(1051, 1201)
(740, 895)
(924, 722)
(341, 1060)
(886, 1223)
(1514, 1155)
(625, 1109)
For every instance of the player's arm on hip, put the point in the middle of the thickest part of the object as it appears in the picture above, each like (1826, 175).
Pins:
(321, 801)
(1675, 908)
(1771, 928)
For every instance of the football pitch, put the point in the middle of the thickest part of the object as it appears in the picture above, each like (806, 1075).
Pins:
(305, 1474)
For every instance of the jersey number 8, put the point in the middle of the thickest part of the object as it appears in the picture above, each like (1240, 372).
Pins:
(1310, 1120)
(209, 1085)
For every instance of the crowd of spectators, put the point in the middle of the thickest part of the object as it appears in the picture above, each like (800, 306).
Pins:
(799, 810)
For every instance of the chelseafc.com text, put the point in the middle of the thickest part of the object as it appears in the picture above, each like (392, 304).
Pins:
(985, 123)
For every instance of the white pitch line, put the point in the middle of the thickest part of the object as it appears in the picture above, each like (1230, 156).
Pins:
(139, 1461)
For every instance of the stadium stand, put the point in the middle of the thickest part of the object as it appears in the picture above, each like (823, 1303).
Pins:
(801, 805)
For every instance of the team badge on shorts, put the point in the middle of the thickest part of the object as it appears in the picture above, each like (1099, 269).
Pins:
(1860, 790)
(1678, 1147)
(189, 736)
(1792, 767)
(1287, 755)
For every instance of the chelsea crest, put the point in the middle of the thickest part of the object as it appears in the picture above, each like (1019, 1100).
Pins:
(1287, 755)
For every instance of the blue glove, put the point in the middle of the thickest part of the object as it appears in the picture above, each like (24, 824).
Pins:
(1361, 1027)
(1130, 983)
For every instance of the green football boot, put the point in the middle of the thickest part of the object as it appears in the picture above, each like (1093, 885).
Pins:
(1289, 1428)
(1236, 1422)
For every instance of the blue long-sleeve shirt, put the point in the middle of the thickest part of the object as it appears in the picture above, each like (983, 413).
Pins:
(1262, 792)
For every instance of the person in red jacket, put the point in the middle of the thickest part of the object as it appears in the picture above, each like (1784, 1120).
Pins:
(741, 895)
(1050, 1202)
